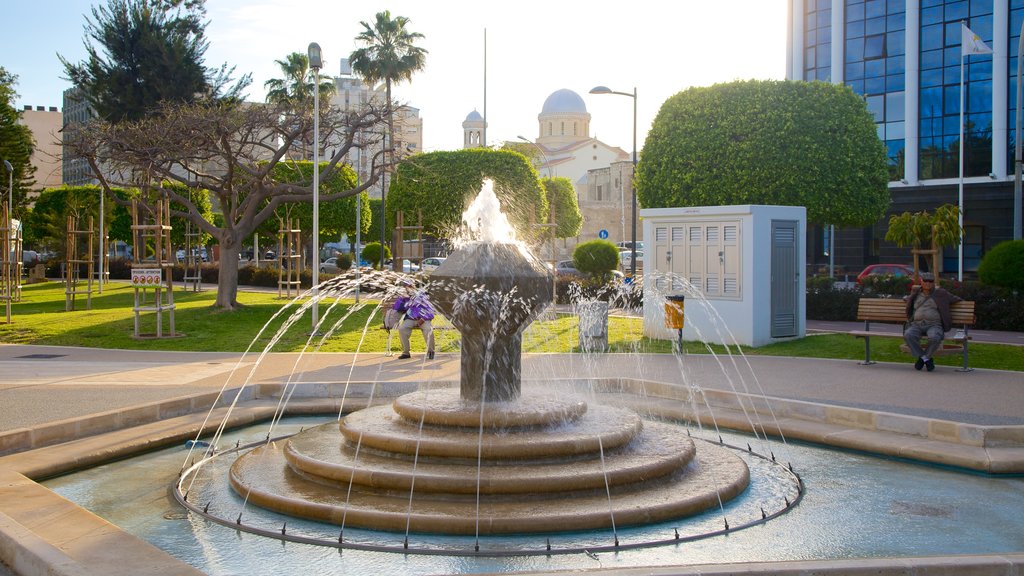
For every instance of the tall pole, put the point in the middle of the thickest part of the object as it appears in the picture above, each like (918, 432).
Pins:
(383, 205)
(632, 179)
(539, 149)
(484, 133)
(315, 62)
(359, 218)
(632, 185)
(8, 262)
(103, 243)
(960, 188)
(1017, 160)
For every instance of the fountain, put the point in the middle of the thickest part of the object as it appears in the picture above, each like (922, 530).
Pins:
(488, 457)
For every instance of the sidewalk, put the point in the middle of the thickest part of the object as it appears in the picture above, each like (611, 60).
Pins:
(44, 384)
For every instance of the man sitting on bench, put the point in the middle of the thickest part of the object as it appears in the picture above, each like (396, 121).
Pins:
(928, 315)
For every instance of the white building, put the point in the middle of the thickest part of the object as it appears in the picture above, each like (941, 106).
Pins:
(45, 125)
(351, 93)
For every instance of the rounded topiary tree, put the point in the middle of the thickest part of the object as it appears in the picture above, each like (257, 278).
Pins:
(596, 257)
(440, 185)
(371, 253)
(810, 144)
(1004, 265)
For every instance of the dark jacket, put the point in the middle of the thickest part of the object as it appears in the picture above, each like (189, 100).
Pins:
(943, 300)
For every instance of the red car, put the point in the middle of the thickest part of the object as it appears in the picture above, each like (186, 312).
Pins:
(881, 269)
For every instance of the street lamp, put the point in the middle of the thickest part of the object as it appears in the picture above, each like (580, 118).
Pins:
(359, 219)
(632, 180)
(539, 149)
(316, 62)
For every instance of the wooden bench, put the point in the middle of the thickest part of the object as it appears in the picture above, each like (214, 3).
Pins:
(894, 311)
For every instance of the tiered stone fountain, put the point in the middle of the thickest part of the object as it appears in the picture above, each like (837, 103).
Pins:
(486, 458)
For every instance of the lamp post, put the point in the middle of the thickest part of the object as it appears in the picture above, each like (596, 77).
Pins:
(383, 204)
(632, 180)
(539, 149)
(316, 62)
(1017, 161)
(359, 219)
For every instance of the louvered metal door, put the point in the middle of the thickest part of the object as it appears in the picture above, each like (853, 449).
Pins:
(785, 277)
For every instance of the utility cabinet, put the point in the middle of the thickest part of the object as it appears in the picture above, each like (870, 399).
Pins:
(740, 268)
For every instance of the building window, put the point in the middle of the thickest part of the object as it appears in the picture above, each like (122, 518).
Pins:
(1016, 17)
(974, 248)
(875, 68)
(939, 124)
(818, 39)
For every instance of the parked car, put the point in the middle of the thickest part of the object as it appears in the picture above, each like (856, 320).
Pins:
(567, 268)
(626, 257)
(883, 269)
(629, 246)
(431, 264)
(330, 266)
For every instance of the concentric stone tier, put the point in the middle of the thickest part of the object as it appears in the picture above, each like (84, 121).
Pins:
(381, 428)
(322, 455)
(445, 407)
(269, 482)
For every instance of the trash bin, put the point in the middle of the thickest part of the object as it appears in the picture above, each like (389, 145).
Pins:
(593, 325)
(675, 317)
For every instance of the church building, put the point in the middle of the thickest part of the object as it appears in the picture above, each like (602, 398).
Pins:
(600, 173)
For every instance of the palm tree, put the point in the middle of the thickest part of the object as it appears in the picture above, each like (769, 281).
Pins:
(296, 88)
(387, 54)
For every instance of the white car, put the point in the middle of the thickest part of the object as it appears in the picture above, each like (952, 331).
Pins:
(409, 268)
(431, 264)
(330, 266)
(626, 256)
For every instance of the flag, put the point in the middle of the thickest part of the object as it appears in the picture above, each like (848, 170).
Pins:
(972, 43)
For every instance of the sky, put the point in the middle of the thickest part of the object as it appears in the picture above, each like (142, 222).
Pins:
(533, 48)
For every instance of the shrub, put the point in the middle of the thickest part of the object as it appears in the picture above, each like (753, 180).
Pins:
(820, 282)
(344, 261)
(596, 257)
(995, 308)
(885, 286)
(618, 294)
(371, 253)
(827, 302)
(1004, 265)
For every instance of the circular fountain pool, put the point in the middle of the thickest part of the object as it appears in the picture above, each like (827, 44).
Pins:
(545, 466)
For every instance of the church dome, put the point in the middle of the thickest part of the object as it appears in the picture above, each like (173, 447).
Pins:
(474, 116)
(564, 101)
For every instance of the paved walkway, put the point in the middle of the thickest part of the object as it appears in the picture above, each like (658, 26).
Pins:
(41, 384)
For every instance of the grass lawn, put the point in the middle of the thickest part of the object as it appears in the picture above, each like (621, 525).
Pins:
(40, 319)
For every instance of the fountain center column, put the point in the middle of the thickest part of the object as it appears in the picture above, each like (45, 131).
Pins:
(491, 292)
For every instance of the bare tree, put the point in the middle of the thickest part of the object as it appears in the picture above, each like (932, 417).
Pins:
(230, 150)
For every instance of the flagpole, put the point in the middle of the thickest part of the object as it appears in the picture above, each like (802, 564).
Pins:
(960, 197)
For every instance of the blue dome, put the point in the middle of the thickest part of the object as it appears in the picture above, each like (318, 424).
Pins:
(474, 116)
(564, 101)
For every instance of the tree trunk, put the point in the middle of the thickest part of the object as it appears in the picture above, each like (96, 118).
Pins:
(227, 279)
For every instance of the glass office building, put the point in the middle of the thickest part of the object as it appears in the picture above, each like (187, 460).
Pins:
(904, 58)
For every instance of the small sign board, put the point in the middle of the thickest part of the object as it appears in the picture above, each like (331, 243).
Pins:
(146, 277)
(603, 234)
